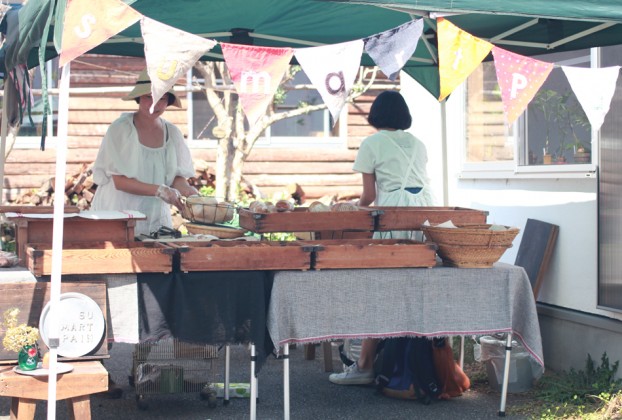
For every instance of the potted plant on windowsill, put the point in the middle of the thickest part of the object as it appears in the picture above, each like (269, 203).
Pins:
(581, 153)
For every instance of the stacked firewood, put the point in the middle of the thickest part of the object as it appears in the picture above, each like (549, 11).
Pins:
(79, 187)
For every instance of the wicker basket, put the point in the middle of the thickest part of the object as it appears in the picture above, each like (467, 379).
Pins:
(470, 246)
(208, 210)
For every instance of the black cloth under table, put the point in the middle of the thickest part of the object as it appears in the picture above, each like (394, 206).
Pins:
(210, 307)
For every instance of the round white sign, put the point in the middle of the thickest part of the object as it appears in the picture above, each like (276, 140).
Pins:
(81, 324)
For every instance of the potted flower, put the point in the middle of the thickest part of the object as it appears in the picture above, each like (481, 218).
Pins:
(21, 339)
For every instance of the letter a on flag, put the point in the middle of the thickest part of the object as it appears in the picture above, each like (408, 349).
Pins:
(459, 53)
(256, 73)
(89, 23)
(332, 70)
(519, 78)
(169, 53)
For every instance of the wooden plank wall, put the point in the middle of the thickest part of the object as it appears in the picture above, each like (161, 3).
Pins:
(319, 171)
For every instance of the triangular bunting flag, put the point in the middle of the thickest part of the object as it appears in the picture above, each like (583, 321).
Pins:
(90, 23)
(519, 78)
(256, 73)
(391, 49)
(332, 70)
(459, 53)
(169, 53)
(594, 88)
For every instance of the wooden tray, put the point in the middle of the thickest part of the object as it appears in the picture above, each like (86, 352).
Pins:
(76, 229)
(302, 220)
(411, 218)
(372, 253)
(102, 258)
(242, 255)
(222, 232)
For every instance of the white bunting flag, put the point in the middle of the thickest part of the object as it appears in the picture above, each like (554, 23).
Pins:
(594, 88)
(169, 53)
(332, 70)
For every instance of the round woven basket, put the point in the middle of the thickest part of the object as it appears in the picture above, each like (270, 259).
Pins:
(470, 246)
(472, 234)
(208, 210)
(465, 256)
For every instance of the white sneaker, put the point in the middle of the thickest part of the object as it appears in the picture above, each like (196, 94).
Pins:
(352, 376)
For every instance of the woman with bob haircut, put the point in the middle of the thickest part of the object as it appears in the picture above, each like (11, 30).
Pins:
(393, 165)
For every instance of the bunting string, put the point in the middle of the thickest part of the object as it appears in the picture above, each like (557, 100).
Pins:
(257, 71)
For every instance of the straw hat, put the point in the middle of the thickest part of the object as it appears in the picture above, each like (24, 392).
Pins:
(143, 87)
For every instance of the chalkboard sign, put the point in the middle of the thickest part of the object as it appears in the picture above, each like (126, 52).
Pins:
(535, 250)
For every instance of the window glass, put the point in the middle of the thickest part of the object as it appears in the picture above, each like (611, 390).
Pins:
(488, 139)
(557, 129)
(553, 130)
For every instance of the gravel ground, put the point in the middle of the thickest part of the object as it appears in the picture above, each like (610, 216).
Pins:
(312, 395)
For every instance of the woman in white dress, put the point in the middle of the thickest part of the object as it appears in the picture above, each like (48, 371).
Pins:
(393, 165)
(143, 162)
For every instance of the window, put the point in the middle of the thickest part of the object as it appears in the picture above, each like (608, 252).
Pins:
(553, 130)
(315, 128)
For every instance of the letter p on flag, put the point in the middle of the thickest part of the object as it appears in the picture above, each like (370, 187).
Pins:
(519, 78)
(519, 82)
(90, 23)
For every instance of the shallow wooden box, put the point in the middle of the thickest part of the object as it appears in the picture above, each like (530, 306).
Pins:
(103, 257)
(243, 255)
(411, 218)
(30, 230)
(302, 220)
(372, 253)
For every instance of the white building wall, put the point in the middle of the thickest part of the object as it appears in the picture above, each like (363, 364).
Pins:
(570, 203)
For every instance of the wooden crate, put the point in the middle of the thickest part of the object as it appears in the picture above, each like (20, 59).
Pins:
(411, 218)
(103, 257)
(31, 297)
(302, 220)
(75, 229)
(372, 253)
(243, 255)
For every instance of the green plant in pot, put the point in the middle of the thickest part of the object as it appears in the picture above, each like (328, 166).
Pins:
(563, 116)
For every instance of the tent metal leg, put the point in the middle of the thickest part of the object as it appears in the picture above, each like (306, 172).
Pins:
(286, 382)
(253, 414)
(506, 374)
(227, 372)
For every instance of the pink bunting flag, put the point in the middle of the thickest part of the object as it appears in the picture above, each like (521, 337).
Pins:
(90, 23)
(256, 73)
(519, 78)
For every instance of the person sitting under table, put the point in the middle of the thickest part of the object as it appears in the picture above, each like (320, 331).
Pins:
(393, 166)
(143, 164)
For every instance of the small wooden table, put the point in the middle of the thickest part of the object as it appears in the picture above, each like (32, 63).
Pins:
(87, 377)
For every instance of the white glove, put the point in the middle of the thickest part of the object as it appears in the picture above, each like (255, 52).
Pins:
(169, 195)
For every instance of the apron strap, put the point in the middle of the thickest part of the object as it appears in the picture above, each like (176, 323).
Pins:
(410, 164)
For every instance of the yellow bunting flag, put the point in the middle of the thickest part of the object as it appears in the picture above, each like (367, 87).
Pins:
(459, 53)
(90, 23)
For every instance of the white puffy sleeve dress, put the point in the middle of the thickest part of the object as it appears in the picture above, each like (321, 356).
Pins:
(121, 153)
(399, 161)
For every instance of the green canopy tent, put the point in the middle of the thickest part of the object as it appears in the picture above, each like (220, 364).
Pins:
(527, 27)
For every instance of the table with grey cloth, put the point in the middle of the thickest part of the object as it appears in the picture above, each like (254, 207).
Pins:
(316, 306)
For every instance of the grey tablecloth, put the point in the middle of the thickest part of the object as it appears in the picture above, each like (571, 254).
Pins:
(315, 306)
